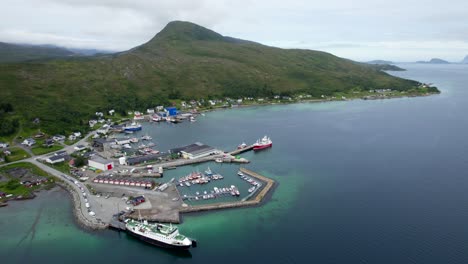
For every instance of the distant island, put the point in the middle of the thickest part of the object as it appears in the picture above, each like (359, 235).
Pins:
(435, 61)
(183, 62)
(465, 60)
(380, 62)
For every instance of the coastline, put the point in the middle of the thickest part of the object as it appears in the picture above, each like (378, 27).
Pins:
(80, 218)
(304, 101)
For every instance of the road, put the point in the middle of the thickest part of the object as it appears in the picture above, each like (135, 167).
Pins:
(79, 188)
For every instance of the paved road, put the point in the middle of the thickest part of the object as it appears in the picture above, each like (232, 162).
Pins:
(79, 188)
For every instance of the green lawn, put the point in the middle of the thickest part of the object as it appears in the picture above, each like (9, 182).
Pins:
(62, 166)
(12, 186)
(39, 150)
(17, 154)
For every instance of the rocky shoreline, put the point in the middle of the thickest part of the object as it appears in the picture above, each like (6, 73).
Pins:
(81, 219)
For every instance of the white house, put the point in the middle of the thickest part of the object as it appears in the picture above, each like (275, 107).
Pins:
(99, 114)
(77, 134)
(111, 112)
(100, 163)
(55, 159)
(92, 122)
(80, 147)
(150, 111)
(4, 145)
(72, 137)
(29, 142)
(58, 138)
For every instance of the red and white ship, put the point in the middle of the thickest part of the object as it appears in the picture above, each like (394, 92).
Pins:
(263, 143)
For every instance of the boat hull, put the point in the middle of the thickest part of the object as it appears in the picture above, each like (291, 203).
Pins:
(256, 148)
(132, 128)
(158, 243)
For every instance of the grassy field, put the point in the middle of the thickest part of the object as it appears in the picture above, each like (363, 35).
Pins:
(17, 154)
(40, 150)
(13, 186)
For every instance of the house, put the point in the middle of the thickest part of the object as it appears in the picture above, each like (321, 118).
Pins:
(99, 114)
(239, 101)
(77, 134)
(100, 163)
(111, 112)
(55, 159)
(36, 121)
(80, 147)
(29, 142)
(7, 152)
(103, 130)
(100, 144)
(138, 116)
(159, 108)
(58, 138)
(92, 123)
(72, 137)
(150, 111)
(48, 143)
(4, 145)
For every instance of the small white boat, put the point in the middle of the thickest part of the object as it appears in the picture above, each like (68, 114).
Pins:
(240, 173)
(219, 160)
(127, 146)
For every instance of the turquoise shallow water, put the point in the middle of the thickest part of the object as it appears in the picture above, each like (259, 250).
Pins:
(359, 182)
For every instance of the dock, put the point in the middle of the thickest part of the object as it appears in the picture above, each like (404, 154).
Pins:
(255, 201)
(242, 150)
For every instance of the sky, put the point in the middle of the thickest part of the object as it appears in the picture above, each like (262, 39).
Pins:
(397, 30)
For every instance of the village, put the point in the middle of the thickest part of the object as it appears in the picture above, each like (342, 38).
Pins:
(116, 169)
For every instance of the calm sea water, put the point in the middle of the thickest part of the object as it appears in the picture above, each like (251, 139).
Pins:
(359, 182)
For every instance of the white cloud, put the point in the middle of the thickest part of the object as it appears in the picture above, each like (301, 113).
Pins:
(364, 29)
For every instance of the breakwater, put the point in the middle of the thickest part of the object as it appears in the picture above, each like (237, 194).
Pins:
(269, 184)
(81, 218)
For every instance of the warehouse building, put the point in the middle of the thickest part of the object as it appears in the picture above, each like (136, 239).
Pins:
(100, 163)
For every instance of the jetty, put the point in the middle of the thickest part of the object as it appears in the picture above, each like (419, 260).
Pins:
(241, 150)
(269, 184)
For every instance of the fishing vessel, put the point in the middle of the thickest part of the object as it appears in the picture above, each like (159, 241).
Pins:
(133, 127)
(166, 236)
(263, 143)
(156, 118)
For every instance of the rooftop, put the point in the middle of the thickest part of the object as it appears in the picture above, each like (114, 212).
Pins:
(99, 159)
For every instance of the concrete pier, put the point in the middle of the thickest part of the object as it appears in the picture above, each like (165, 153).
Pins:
(269, 183)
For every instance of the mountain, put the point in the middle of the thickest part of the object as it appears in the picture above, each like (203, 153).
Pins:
(21, 52)
(183, 61)
(380, 62)
(89, 52)
(434, 61)
(465, 60)
(386, 67)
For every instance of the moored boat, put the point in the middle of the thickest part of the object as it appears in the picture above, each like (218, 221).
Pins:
(133, 127)
(263, 143)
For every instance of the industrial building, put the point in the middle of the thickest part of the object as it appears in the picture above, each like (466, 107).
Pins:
(195, 151)
(100, 163)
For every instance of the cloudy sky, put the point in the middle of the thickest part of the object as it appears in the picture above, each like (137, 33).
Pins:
(399, 30)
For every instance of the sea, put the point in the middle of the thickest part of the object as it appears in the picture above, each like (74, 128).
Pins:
(379, 181)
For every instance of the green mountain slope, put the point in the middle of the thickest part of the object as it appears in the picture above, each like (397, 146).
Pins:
(183, 61)
(18, 53)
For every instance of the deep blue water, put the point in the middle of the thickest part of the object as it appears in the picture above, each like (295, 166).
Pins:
(359, 182)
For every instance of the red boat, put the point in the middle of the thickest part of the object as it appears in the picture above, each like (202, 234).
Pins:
(263, 143)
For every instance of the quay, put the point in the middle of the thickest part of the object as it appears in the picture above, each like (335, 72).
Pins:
(255, 201)
(242, 150)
